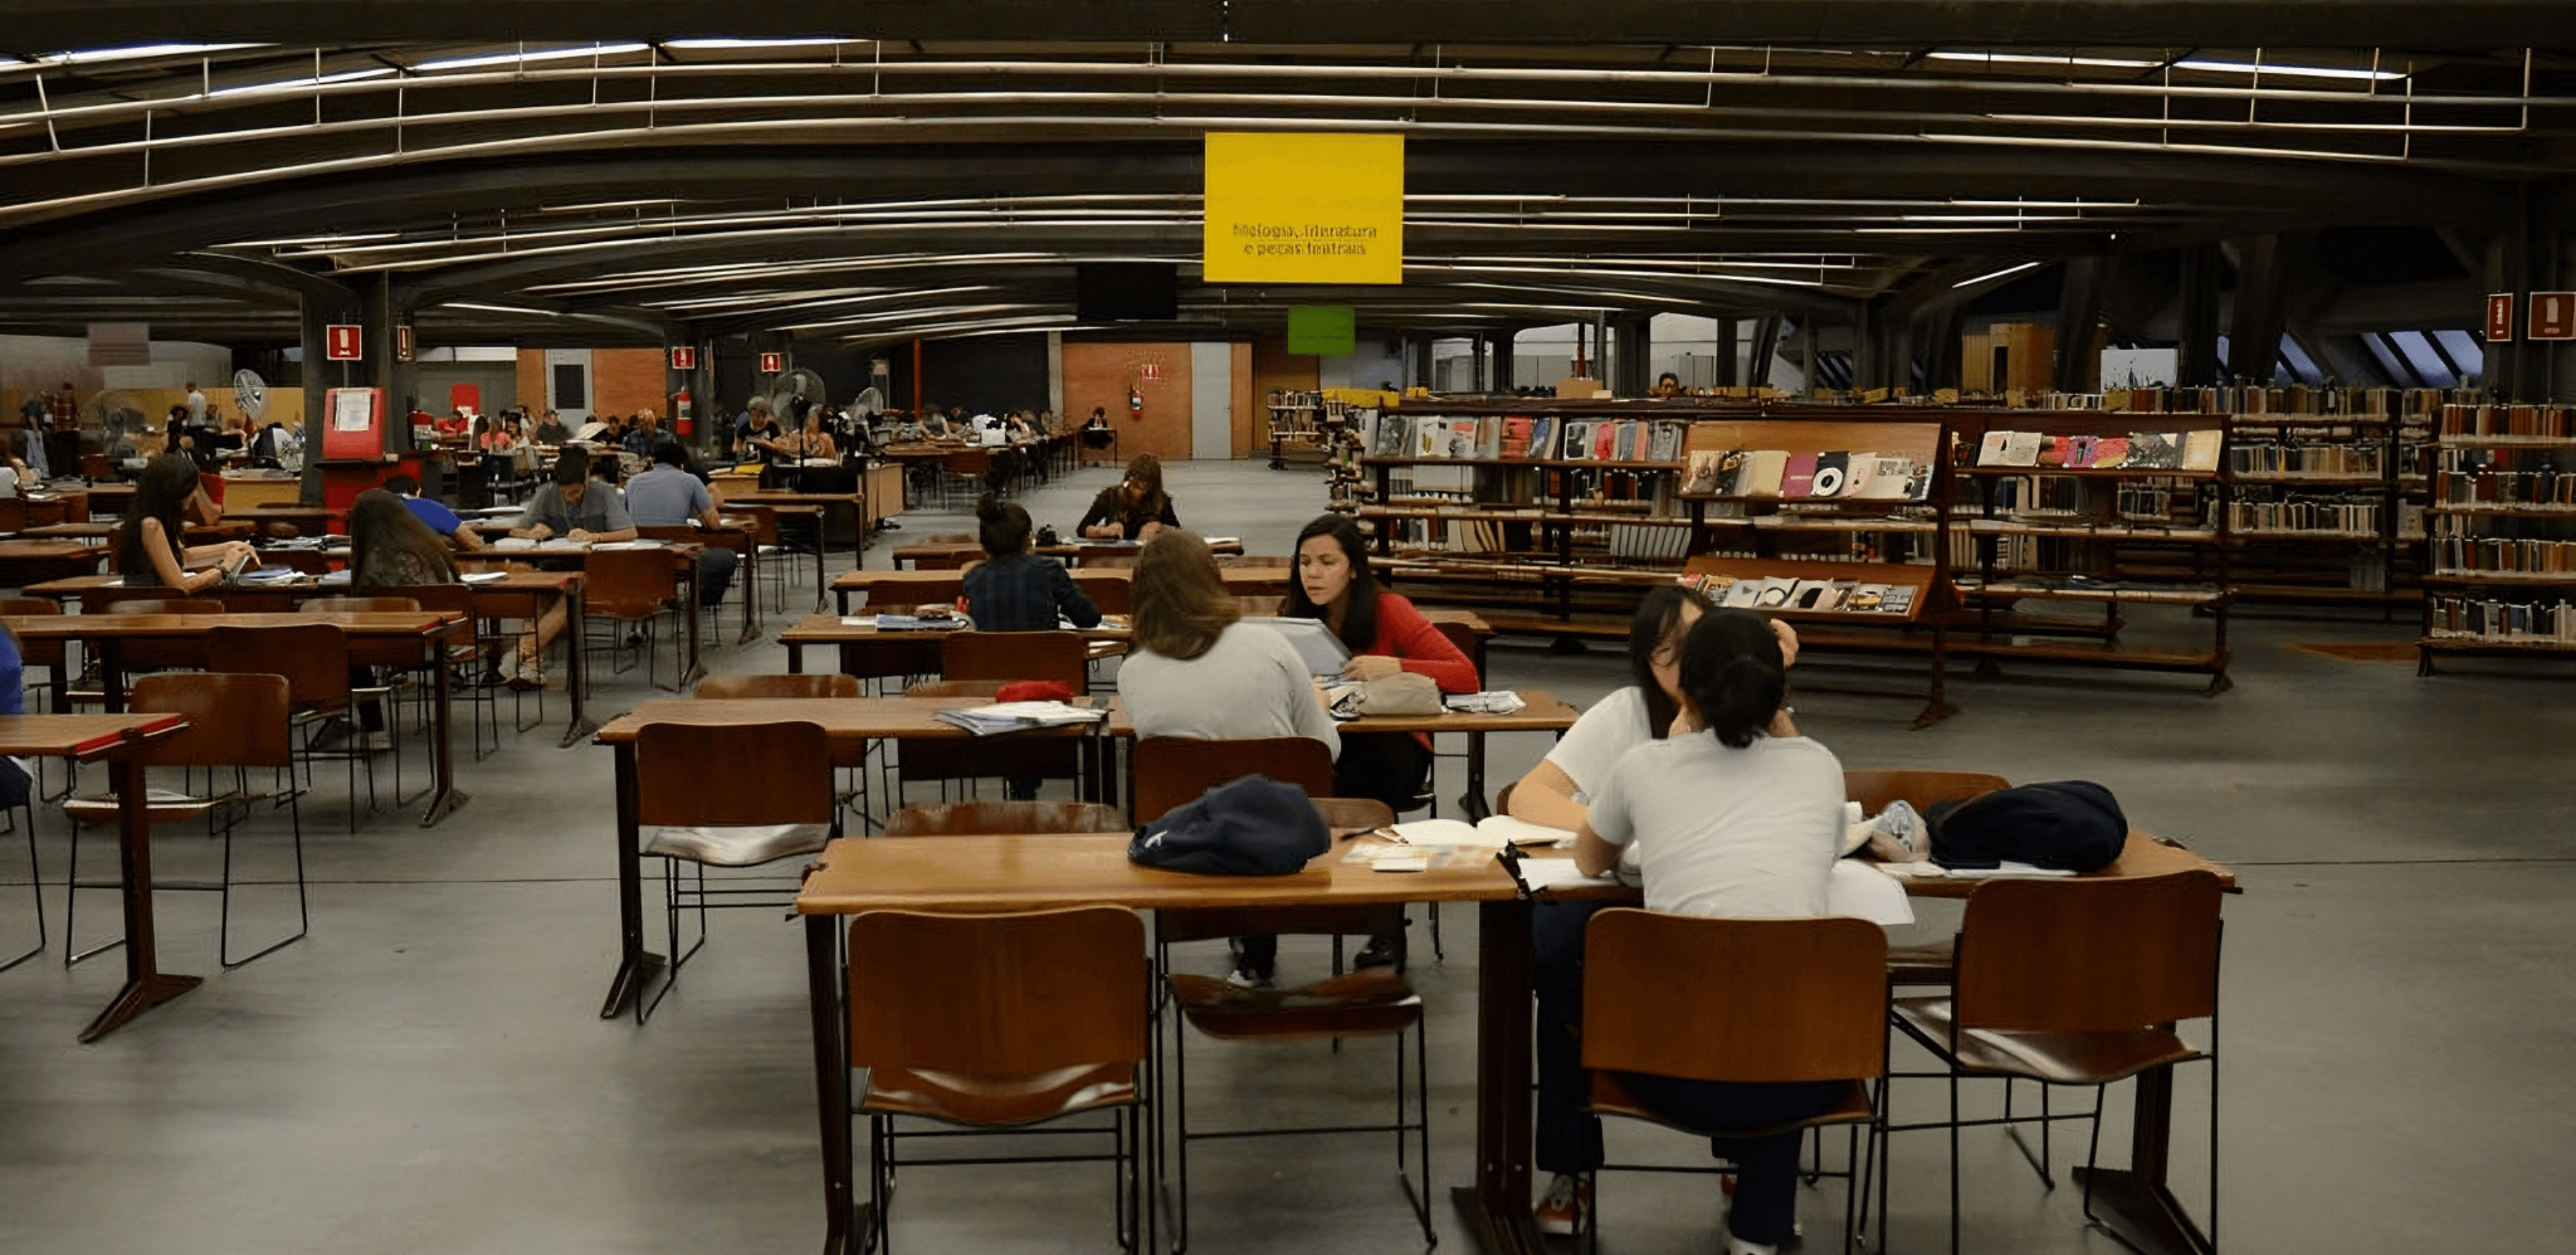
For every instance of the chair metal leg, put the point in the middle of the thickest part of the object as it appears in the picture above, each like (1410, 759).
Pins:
(303, 916)
(1954, 1162)
(35, 880)
(71, 912)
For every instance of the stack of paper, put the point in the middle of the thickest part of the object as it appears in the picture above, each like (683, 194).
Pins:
(1019, 716)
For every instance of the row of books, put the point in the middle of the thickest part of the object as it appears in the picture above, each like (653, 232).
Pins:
(1632, 541)
(2533, 490)
(2490, 619)
(1839, 474)
(2137, 451)
(2535, 421)
(2307, 459)
(2294, 399)
(1822, 596)
(2339, 516)
(2457, 555)
(1515, 437)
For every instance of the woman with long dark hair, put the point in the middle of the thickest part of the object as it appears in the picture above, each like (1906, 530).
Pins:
(1134, 508)
(151, 545)
(1385, 635)
(389, 547)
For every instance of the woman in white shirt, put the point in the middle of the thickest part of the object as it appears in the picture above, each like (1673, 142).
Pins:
(1733, 814)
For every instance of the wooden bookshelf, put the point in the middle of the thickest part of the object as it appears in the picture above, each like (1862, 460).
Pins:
(2500, 549)
(2088, 541)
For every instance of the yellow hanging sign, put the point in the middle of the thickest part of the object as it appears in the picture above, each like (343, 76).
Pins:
(1304, 208)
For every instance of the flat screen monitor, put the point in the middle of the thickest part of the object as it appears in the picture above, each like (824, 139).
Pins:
(1127, 292)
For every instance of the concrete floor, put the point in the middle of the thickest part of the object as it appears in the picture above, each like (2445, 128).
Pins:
(427, 1072)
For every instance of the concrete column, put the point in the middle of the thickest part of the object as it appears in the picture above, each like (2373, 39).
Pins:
(2079, 313)
(2196, 361)
(1503, 342)
(1727, 374)
(1766, 344)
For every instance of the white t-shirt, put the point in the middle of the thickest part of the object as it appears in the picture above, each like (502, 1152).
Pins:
(1736, 834)
(1615, 725)
(8, 481)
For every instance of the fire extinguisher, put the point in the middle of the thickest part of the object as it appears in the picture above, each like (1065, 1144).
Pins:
(681, 420)
(1135, 402)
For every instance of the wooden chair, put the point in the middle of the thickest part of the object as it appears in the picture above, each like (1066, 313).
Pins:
(1930, 964)
(635, 587)
(235, 721)
(1000, 657)
(966, 819)
(1114, 594)
(987, 689)
(142, 654)
(738, 539)
(358, 605)
(777, 803)
(464, 660)
(734, 687)
(1174, 771)
(1751, 1001)
(2074, 982)
(998, 1022)
(1059, 656)
(314, 659)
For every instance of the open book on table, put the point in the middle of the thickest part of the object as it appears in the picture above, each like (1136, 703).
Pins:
(1493, 834)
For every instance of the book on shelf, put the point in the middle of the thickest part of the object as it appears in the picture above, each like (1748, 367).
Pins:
(1798, 476)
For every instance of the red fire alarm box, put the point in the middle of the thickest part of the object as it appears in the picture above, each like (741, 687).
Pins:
(353, 427)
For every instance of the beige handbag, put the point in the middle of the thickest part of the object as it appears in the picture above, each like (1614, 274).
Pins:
(1403, 693)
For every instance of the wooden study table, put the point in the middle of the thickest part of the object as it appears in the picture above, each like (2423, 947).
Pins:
(912, 587)
(854, 502)
(2137, 1201)
(100, 530)
(516, 595)
(776, 511)
(1029, 873)
(406, 639)
(1540, 711)
(685, 581)
(114, 737)
(848, 723)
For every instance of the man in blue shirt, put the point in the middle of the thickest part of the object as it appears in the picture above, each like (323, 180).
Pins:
(667, 495)
(437, 516)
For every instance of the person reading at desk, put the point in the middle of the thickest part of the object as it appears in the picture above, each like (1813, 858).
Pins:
(1555, 791)
(390, 546)
(574, 508)
(1134, 508)
(1732, 815)
(1197, 671)
(550, 430)
(151, 548)
(434, 515)
(669, 496)
(1014, 590)
(1385, 635)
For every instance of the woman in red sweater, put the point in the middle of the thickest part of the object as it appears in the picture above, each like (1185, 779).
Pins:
(1386, 635)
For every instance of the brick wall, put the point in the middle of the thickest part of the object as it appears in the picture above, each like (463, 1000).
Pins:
(623, 381)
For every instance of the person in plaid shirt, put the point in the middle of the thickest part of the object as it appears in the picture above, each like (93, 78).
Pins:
(1014, 590)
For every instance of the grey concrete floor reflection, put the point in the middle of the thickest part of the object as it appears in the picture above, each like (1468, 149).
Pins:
(427, 1071)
